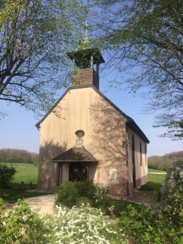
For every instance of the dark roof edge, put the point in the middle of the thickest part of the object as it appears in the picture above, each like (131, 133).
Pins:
(132, 125)
(130, 122)
(49, 111)
(55, 159)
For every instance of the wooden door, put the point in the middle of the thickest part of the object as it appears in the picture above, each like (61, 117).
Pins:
(77, 172)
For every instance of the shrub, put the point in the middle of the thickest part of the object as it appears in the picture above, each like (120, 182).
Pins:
(2, 205)
(77, 225)
(121, 205)
(69, 192)
(20, 226)
(152, 186)
(6, 175)
(83, 225)
(102, 200)
(162, 225)
(83, 201)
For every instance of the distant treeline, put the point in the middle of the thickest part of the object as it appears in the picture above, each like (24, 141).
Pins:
(163, 162)
(18, 156)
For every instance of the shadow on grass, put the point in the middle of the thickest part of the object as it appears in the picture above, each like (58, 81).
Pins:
(121, 205)
(148, 194)
(150, 186)
(14, 192)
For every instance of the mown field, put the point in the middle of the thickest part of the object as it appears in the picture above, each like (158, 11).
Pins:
(156, 176)
(156, 171)
(26, 173)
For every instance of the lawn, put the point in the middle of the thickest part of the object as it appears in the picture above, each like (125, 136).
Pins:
(157, 176)
(26, 173)
(155, 171)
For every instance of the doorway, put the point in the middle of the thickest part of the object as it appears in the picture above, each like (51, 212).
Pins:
(77, 172)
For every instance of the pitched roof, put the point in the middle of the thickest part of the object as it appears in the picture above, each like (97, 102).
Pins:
(75, 154)
(130, 122)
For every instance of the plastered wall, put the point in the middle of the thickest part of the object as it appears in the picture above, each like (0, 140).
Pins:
(141, 167)
(104, 129)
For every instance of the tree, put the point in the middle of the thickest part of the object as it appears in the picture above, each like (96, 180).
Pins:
(146, 39)
(6, 175)
(18, 156)
(34, 38)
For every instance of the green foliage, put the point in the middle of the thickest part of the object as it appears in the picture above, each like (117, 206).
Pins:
(83, 201)
(2, 205)
(152, 186)
(137, 225)
(73, 193)
(101, 199)
(20, 225)
(120, 205)
(77, 225)
(69, 192)
(34, 38)
(26, 173)
(163, 162)
(18, 156)
(172, 201)
(6, 175)
(146, 42)
(160, 225)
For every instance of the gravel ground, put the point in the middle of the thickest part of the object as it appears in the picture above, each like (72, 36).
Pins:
(43, 204)
(46, 204)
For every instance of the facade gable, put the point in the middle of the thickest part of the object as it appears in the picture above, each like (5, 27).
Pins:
(106, 128)
(129, 121)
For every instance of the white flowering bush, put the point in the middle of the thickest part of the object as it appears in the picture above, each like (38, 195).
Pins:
(83, 225)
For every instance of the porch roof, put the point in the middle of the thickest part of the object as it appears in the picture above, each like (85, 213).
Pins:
(75, 154)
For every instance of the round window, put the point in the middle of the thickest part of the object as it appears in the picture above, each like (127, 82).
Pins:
(80, 133)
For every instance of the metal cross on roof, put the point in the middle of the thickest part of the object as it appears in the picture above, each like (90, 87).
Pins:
(86, 27)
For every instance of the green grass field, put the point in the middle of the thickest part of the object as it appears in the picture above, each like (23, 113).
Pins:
(155, 170)
(26, 173)
(155, 175)
(156, 178)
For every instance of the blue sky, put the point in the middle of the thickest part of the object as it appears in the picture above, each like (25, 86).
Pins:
(18, 128)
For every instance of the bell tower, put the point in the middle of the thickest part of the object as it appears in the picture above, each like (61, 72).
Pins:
(86, 60)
